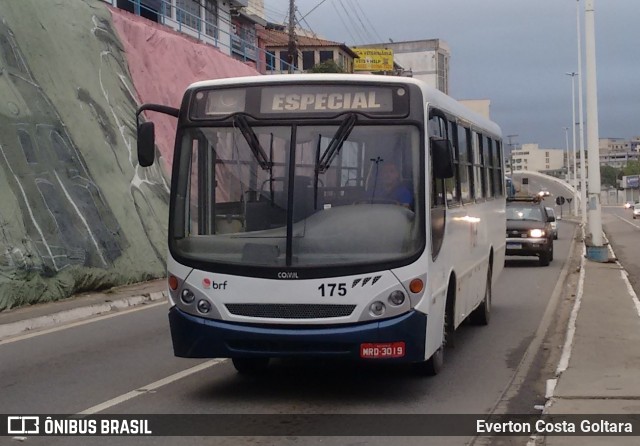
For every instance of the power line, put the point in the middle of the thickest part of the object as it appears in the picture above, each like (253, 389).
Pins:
(312, 9)
(347, 27)
(365, 30)
(375, 30)
(355, 28)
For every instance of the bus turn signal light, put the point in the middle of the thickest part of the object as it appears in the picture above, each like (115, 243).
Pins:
(173, 283)
(416, 286)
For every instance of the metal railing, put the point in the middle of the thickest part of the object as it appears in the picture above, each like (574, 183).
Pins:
(207, 32)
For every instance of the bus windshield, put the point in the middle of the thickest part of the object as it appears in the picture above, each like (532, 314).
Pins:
(298, 195)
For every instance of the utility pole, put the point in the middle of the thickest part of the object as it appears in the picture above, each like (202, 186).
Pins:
(595, 212)
(583, 160)
(575, 161)
(292, 58)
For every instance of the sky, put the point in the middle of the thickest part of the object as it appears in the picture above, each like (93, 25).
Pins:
(513, 52)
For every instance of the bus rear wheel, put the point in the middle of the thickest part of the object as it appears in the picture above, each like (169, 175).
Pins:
(250, 366)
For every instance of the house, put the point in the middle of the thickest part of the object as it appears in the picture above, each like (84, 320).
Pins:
(311, 51)
(229, 25)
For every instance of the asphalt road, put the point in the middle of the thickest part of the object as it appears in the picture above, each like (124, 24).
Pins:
(124, 364)
(623, 233)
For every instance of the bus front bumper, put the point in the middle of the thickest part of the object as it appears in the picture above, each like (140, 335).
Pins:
(196, 337)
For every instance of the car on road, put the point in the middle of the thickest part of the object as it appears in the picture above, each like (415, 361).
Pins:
(544, 193)
(529, 231)
(628, 205)
(554, 223)
(636, 210)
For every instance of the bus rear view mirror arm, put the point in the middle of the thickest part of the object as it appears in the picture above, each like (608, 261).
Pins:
(146, 132)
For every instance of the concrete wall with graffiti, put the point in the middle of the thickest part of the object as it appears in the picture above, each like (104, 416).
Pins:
(77, 212)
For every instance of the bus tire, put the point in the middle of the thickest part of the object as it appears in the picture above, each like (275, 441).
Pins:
(482, 314)
(433, 365)
(250, 366)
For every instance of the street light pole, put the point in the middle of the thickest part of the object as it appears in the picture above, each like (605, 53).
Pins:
(583, 175)
(595, 212)
(566, 137)
(575, 162)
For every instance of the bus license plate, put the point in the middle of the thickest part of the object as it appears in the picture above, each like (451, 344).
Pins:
(385, 350)
(514, 245)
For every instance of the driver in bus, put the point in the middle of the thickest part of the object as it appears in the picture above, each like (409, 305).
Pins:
(390, 186)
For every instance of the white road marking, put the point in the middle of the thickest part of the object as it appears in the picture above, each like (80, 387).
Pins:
(150, 387)
(627, 221)
(571, 328)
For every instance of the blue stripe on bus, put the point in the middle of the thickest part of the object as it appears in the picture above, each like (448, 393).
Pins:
(196, 337)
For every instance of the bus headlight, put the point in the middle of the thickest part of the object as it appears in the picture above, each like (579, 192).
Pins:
(396, 298)
(377, 308)
(187, 296)
(204, 306)
(536, 233)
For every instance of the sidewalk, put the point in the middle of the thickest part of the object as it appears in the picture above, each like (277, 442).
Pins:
(23, 320)
(600, 373)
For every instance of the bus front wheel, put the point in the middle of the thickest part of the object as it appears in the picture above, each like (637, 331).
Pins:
(250, 366)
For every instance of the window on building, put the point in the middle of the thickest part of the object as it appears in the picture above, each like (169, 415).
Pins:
(284, 60)
(442, 73)
(211, 18)
(308, 59)
(188, 13)
(326, 55)
(270, 59)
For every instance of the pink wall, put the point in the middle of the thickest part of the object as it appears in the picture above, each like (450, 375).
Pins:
(163, 63)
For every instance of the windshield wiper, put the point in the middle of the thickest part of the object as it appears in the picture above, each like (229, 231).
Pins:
(253, 142)
(336, 143)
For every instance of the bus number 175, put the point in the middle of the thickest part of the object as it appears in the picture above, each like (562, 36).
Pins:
(333, 289)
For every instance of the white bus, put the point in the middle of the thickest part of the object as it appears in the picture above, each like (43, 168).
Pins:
(329, 216)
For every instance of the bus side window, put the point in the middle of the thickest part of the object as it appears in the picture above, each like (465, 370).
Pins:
(437, 128)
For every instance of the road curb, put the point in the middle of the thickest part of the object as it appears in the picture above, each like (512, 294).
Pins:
(75, 314)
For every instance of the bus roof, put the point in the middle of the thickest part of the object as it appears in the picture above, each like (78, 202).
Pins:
(432, 95)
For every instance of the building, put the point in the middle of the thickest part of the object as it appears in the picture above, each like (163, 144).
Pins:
(531, 157)
(229, 25)
(427, 60)
(311, 51)
(608, 145)
(618, 159)
(617, 152)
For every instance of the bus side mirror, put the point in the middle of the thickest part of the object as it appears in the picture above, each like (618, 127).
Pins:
(146, 144)
(442, 158)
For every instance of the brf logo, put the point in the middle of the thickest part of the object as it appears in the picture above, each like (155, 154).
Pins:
(23, 425)
(207, 283)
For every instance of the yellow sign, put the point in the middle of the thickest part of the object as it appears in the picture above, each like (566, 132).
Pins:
(373, 59)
